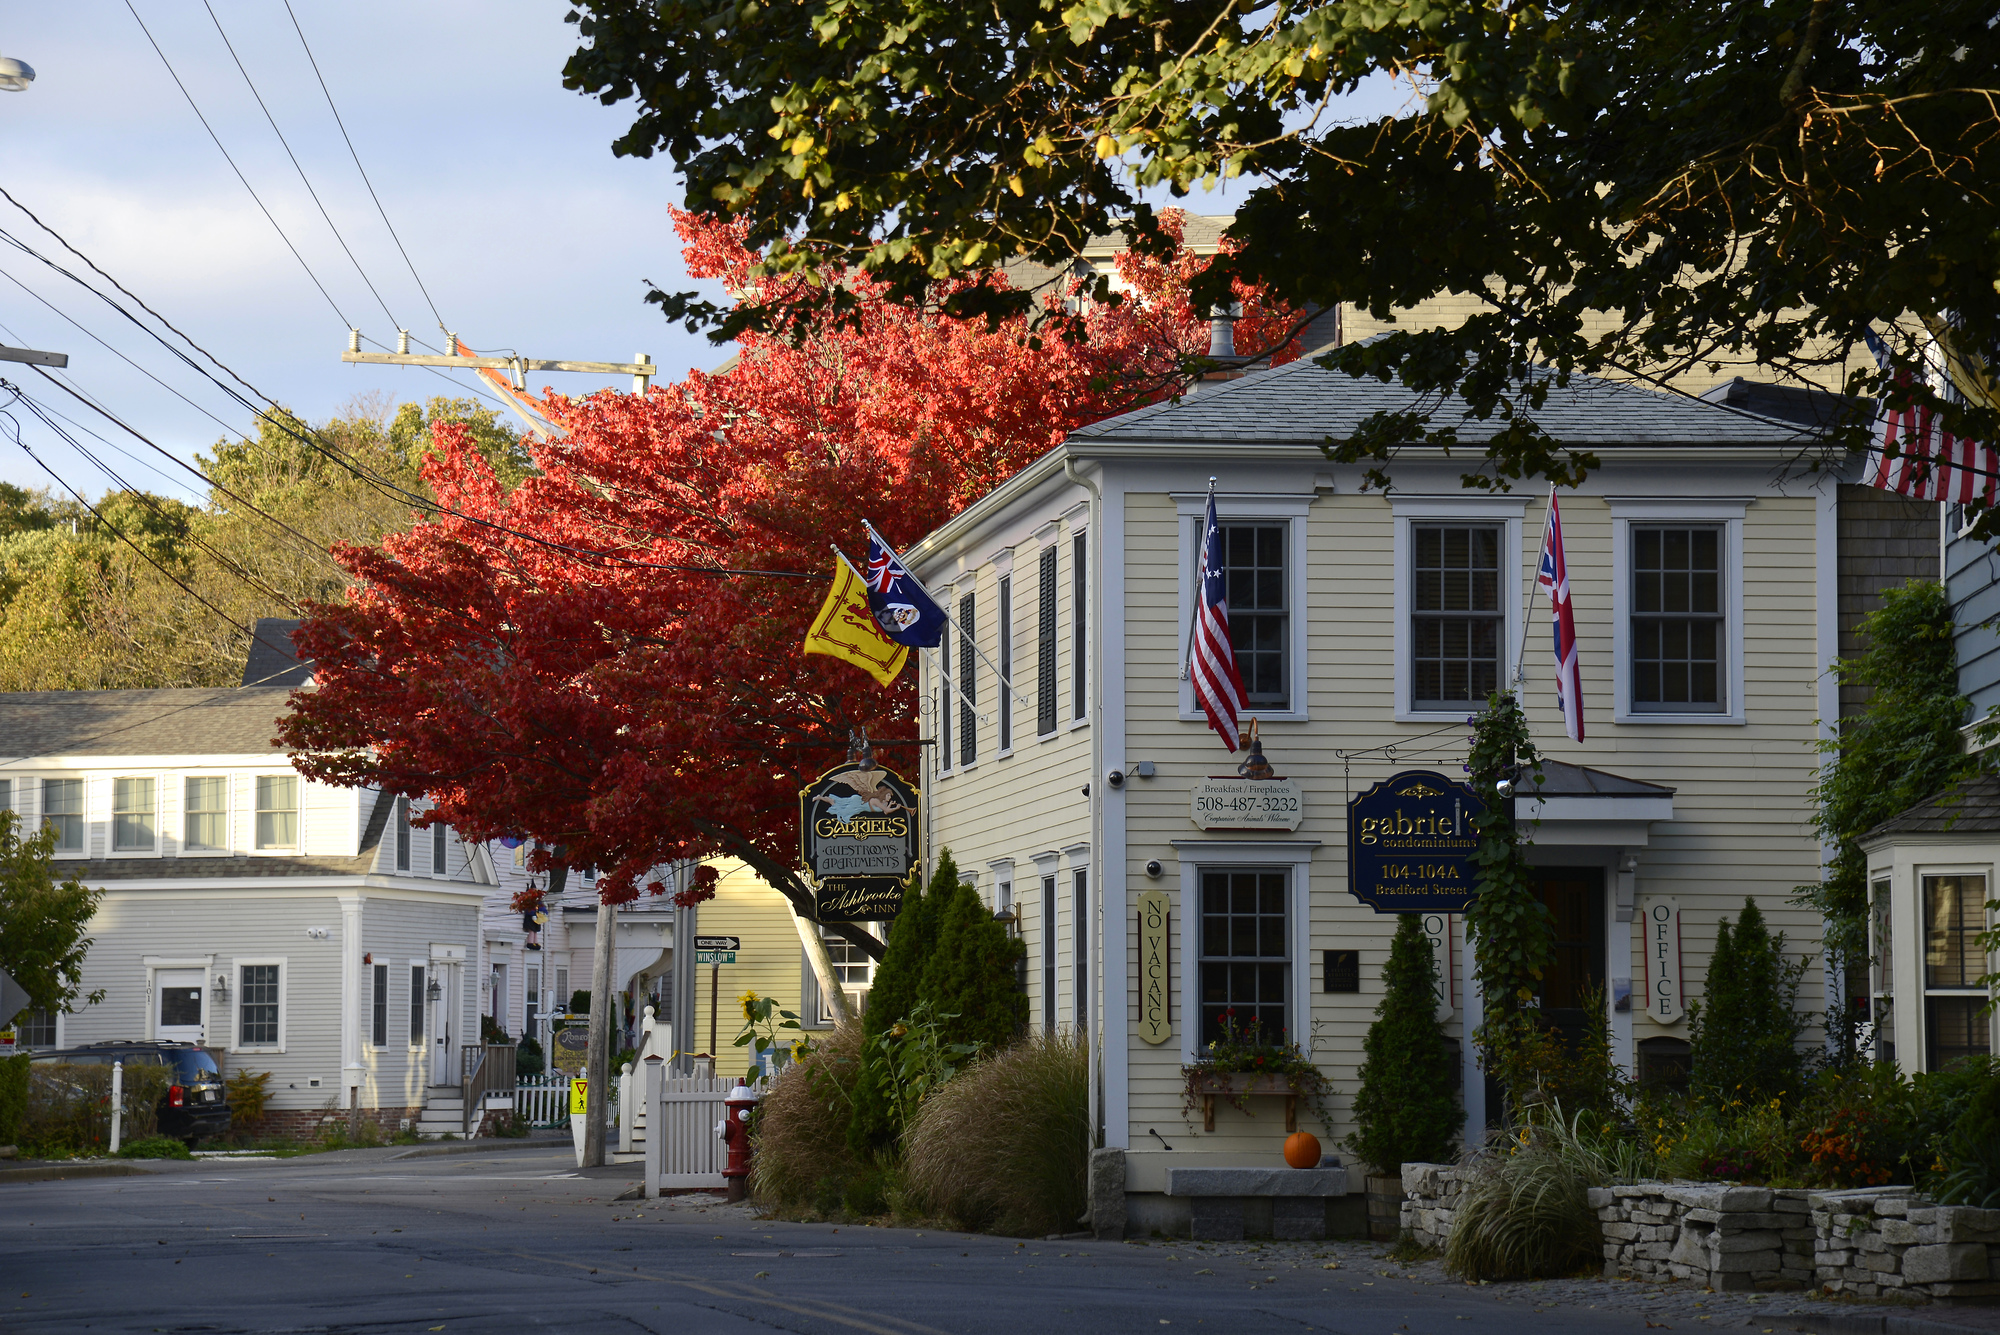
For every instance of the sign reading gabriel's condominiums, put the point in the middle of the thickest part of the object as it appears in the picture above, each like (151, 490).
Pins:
(1410, 843)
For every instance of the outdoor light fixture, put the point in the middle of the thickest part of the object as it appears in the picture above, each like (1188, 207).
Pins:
(15, 75)
(222, 987)
(433, 991)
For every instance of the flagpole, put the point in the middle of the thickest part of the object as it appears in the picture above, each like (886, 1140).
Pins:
(1534, 587)
(967, 639)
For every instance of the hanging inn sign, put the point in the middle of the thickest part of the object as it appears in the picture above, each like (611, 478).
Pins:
(1410, 843)
(860, 836)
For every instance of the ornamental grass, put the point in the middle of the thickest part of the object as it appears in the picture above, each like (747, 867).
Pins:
(802, 1159)
(1526, 1213)
(1004, 1146)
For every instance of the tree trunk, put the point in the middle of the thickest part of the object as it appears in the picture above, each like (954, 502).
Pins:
(822, 967)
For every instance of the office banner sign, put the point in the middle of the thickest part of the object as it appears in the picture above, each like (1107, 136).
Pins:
(1664, 1000)
(860, 837)
(1410, 843)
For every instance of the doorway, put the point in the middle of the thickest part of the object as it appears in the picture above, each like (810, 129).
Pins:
(1574, 897)
(444, 1027)
(177, 1004)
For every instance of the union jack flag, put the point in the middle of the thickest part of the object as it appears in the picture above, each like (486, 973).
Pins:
(1553, 579)
(904, 608)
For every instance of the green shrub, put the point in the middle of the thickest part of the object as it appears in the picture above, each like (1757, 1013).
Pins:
(529, 1058)
(69, 1107)
(1005, 1145)
(803, 1160)
(248, 1092)
(1405, 1111)
(1542, 1070)
(13, 1096)
(155, 1147)
(1744, 1033)
(1969, 1157)
(946, 950)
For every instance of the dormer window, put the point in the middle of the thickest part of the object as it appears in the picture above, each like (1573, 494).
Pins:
(277, 811)
(132, 816)
(206, 825)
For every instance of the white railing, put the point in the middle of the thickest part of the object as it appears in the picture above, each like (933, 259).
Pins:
(542, 1100)
(686, 1109)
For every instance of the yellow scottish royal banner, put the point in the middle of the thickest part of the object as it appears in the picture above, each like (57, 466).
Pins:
(845, 628)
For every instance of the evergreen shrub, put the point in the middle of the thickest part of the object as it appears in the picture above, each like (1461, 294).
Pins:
(13, 1096)
(1744, 1032)
(1405, 1111)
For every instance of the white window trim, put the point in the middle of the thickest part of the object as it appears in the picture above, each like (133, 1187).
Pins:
(35, 812)
(1726, 511)
(181, 846)
(1078, 520)
(294, 850)
(1199, 855)
(111, 849)
(236, 967)
(1507, 511)
(1289, 508)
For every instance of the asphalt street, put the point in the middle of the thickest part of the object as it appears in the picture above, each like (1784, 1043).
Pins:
(520, 1241)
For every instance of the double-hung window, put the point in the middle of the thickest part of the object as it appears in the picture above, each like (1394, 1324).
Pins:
(378, 1011)
(277, 811)
(205, 814)
(1253, 557)
(854, 971)
(1049, 953)
(257, 1006)
(1045, 646)
(418, 1001)
(440, 850)
(968, 683)
(1245, 956)
(1955, 1022)
(1679, 632)
(62, 807)
(132, 816)
(402, 834)
(1458, 621)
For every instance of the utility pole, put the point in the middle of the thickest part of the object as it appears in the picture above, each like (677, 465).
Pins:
(512, 385)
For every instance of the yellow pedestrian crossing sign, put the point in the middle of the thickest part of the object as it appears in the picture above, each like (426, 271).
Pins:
(579, 1097)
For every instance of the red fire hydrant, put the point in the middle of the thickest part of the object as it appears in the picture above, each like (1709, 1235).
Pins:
(735, 1132)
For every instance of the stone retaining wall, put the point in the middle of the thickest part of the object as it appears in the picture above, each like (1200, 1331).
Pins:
(1868, 1242)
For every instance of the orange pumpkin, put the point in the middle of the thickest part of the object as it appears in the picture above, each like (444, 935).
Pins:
(1302, 1149)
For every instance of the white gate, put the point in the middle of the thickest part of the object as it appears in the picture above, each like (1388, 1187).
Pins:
(543, 1100)
(686, 1152)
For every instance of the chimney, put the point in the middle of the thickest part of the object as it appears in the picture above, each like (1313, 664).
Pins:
(1222, 332)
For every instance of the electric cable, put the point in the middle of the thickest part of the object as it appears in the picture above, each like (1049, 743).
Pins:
(304, 180)
(312, 440)
(357, 163)
(345, 322)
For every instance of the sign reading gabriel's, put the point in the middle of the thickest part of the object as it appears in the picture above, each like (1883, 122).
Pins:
(1410, 843)
(860, 834)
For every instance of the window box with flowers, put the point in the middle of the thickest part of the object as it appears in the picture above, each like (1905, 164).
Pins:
(1238, 1068)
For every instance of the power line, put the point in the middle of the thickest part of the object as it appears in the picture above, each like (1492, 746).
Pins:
(303, 179)
(345, 322)
(357, 163)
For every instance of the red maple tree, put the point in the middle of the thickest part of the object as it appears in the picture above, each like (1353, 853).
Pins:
(555, 661)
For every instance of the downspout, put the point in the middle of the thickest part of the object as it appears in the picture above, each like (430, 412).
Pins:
(1099, 856)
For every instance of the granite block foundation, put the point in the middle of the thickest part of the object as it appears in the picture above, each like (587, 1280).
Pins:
(1869, 1242)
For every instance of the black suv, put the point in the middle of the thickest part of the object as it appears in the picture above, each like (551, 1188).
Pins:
(195, 1104)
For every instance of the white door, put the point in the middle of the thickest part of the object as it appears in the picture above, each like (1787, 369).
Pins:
(177, 1004)
(444, 1024)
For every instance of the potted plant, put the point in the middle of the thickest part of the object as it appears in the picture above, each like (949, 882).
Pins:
(1239, 1066)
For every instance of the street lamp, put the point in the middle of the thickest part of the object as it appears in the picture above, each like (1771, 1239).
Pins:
(15, 75)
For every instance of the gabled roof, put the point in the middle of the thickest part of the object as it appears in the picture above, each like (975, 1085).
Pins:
(211, 720)
(1304, 403)
(274, 660)
(1972, 807)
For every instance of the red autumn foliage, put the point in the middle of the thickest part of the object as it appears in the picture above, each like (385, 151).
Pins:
(529, 665)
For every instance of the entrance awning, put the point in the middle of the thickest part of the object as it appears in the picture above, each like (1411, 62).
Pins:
(1577, 805)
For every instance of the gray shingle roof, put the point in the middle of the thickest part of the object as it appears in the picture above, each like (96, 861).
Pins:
(274, 660)
(1562, 779)
(215, 720)
(1304, 403)
(1972, 807)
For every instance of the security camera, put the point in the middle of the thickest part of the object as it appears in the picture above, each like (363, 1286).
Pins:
(1153, 868)
(1116, 778)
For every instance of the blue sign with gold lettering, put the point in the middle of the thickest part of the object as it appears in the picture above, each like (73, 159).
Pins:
(1410, 842)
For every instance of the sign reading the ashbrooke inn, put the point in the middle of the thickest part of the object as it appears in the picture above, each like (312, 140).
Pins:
(860, 834)
(1410, 843)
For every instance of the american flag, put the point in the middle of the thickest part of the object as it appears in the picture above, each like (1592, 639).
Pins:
(1553, 579)
(1917, 458)
(1211, 661)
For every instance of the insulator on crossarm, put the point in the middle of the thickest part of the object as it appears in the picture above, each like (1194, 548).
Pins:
(403, 342)
(354, 340)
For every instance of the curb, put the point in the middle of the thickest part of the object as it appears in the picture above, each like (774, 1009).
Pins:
(57, 1172)
(1857, 1323)
(485, 1146)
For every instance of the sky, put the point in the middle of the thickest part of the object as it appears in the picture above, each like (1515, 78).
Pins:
(526, 231)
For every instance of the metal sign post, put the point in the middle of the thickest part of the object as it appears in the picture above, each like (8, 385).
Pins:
(715, 951)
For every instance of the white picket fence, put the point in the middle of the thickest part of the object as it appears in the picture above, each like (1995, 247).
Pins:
(543, 1100)
(687, 1152)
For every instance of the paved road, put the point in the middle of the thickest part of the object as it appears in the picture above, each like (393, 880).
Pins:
(519, 1241)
